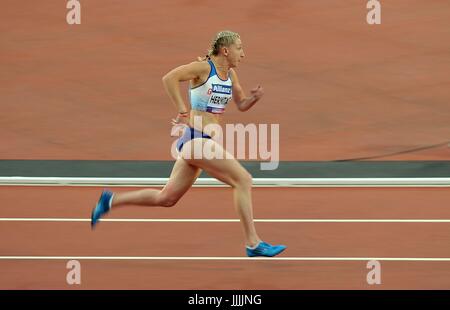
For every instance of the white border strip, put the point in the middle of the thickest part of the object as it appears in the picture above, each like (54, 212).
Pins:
(259, 182)
(228, 220)
(229, 258)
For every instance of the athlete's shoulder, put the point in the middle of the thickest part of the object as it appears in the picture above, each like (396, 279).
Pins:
(199, 66)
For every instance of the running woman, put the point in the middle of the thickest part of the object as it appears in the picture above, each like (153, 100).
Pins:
(213, 83)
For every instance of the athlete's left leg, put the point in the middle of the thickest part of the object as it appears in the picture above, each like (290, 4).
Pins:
(181, 179)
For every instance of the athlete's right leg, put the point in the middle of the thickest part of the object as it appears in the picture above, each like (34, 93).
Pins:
(181, 179)
(228, 170)
(231, 172)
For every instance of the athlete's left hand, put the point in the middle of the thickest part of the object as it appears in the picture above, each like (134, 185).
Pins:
(257, 92)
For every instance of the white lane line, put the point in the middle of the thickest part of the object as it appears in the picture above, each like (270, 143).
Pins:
(142, 220)
(264, 182)
(228, 258)
(360, 185)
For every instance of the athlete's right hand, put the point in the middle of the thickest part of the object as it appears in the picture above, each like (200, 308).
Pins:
(181, 119)
(178, 124)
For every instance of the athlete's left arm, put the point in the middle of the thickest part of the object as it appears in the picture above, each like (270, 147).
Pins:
(242, 101)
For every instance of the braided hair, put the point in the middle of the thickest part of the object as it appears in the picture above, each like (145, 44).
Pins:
(222, 39)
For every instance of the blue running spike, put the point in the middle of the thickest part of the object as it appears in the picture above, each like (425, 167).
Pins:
(265, 249)
(101, 208)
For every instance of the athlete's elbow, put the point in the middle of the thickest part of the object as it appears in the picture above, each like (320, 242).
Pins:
(241, 107)
(167, 81)
(239, 104)
(169, 77)
(166, 78)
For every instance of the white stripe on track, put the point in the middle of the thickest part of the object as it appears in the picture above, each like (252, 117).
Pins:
(211, 182)
(228, 220)
(229, 258)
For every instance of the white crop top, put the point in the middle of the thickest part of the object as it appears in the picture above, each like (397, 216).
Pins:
(213, 95)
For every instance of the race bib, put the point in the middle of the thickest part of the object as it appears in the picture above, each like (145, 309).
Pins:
(219, 98)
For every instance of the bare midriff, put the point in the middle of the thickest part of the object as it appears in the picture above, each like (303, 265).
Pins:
(200, 119)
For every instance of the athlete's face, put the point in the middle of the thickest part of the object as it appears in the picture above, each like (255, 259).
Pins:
(235, 53)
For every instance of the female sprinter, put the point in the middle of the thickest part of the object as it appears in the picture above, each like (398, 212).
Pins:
(213, 83)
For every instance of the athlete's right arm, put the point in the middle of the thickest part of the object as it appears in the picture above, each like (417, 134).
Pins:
(193, 71)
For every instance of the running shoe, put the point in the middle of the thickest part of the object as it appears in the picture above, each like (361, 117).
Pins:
(101, 208)
(265, 249)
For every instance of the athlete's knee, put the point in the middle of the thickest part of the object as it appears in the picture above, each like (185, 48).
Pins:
(245, 180)
(167, 200)
(169, 203)
(248, 179)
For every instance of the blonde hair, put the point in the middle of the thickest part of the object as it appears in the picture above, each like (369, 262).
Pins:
(222, 39)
